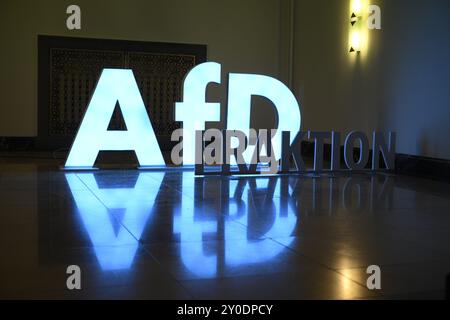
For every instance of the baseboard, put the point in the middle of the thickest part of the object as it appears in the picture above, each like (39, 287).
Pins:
(17, 143)
(422, 166)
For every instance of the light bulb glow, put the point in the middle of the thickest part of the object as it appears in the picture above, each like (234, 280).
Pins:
(355, 42)
(357, 6)
(358, 36)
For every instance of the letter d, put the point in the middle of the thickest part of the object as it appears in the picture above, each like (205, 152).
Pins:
(240, 90)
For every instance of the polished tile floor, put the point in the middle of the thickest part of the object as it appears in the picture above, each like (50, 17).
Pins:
(170, 235)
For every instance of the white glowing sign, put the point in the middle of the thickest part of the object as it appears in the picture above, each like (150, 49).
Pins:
(242, 87)
(194, 111)
(115, 85)
(119, 85)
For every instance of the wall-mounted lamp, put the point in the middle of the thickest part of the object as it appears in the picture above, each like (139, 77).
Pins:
(355, 42)
(363, 17)
(357, 6)
(353, 19)
(358, 32)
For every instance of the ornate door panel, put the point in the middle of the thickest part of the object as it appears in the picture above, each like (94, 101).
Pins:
(69, 69)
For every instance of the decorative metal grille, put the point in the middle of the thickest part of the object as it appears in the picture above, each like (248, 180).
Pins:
(160, 79)
(73, 76)
(74, 72)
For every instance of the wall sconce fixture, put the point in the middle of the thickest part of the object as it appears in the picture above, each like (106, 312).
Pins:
(363, 17)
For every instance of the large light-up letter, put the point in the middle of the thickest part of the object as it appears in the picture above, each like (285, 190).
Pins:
(194, 111)
(242, 87)
(115, 85)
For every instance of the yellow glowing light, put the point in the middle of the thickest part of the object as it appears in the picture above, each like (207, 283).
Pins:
(355, 41)
(358, 35)
(357, 6)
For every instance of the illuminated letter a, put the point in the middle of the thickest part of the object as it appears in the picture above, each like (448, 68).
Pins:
(115, 85)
